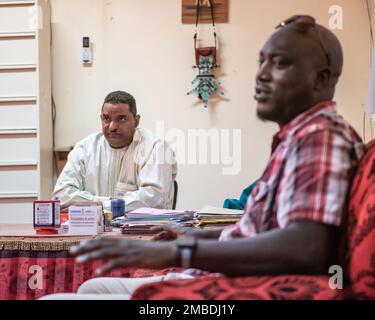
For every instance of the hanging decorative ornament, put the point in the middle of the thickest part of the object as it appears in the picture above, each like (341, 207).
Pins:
(205, 60)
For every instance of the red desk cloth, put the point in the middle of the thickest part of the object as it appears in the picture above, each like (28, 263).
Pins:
(60, 273)
(20, 250)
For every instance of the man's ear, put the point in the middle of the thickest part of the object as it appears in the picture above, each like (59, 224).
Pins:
(323, 79)
(137, 118)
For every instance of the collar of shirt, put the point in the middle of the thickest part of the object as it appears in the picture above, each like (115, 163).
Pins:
(137, 135)
(296, 122)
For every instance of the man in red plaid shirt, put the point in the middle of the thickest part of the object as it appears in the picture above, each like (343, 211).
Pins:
(295, 214)
(307, 177)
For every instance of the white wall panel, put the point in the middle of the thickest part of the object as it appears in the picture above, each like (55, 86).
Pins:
(25, 127)
(18, 84)
(18, 51)
(17, 18)
(18, 116)
(18, 181)
(21, 212)
(18, 149)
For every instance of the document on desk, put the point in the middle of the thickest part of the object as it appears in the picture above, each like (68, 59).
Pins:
(216, 216)
(218, 211)
(150, 214)
(83, 220)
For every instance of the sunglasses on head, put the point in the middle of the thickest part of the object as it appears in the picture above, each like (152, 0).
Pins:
(304, 23)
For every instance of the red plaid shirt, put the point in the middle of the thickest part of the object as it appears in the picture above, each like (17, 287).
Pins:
(307, 177)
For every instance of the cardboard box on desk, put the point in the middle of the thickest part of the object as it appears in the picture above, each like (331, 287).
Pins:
(85, 219)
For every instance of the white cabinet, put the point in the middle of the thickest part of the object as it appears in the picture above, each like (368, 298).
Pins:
(25, 108)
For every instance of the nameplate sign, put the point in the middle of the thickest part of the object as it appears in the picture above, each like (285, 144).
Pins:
(83, 220)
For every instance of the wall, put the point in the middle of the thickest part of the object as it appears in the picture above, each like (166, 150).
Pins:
(25, 109)
(45, 123)
(142, 47)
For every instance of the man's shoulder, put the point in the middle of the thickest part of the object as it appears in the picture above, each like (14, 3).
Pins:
(91, 140)
(148, 144)
(146, 137)
(342, 135)
(328, 121)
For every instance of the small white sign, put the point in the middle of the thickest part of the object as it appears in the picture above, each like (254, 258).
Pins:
(83, 220)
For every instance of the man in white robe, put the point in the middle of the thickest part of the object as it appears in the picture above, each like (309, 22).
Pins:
(121, 162)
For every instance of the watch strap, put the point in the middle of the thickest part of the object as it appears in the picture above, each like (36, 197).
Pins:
(186, 247)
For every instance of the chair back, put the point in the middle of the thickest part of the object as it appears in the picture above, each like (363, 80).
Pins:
(175, 192)
(360, 263)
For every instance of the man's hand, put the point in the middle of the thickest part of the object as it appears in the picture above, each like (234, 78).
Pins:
(166, 233)
(126, 253)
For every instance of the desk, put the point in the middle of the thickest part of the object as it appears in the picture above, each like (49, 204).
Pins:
(33, 266)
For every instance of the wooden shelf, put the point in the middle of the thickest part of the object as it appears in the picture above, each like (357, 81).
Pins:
(18, 99)
(17, 163)
(18, 195)
(17, 3)
(17, 34)
(22, 131)
(189, 11)
(61, 156)
(10, 67)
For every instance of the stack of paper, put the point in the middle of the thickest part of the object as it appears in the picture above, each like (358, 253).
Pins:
(215, 216)
(157, 214)
(140, 221)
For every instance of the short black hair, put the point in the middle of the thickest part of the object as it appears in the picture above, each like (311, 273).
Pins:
(117, 97)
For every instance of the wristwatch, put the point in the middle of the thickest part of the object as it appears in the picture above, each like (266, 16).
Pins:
(186, 246)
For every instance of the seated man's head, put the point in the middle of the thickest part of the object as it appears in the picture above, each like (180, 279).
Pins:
(299, 66)
(119, 118)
